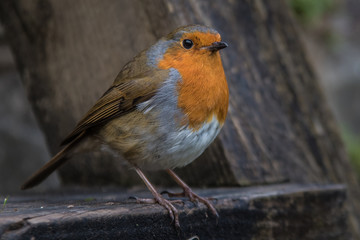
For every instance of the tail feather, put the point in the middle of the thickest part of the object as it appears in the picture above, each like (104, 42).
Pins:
(59, 159)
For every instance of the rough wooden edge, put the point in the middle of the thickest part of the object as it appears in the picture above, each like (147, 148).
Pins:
(286, 211)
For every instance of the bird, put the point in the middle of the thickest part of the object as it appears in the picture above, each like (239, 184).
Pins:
(162, 111)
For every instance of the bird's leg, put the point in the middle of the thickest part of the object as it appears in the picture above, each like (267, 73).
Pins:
(158, 199)
(187, 192)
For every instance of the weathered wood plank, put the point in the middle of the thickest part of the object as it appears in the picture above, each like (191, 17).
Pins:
(285, 211)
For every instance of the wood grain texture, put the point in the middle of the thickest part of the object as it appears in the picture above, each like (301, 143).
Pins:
(279, 127)
(274, 212)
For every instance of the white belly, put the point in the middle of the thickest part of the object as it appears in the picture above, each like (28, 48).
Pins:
(182, 147)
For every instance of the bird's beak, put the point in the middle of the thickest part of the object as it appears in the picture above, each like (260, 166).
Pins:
(216, 46)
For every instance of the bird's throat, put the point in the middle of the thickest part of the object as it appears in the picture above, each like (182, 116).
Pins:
(203, 91)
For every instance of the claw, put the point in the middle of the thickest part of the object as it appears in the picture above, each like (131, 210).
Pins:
(193, 197)
(187, 192)
(173, 213)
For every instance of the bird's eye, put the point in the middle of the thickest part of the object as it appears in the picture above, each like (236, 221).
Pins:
(187, 43)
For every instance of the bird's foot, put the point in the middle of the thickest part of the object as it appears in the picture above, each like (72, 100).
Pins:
(187, 192)
(168, 204)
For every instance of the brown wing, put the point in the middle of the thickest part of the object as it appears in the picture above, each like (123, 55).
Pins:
(121, 98)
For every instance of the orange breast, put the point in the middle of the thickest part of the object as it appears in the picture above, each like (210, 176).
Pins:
(203, 91)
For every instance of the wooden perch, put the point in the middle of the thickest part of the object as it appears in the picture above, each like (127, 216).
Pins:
(287, 211)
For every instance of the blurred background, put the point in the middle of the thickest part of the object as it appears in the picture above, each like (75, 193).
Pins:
(331, 34)
(331, 31)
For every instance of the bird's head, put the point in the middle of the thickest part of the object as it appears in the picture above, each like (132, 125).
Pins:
(187, 46)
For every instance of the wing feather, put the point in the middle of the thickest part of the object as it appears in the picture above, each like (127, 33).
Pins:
(122, 97)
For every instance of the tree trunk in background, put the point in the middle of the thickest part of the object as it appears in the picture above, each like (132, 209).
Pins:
(279, 127)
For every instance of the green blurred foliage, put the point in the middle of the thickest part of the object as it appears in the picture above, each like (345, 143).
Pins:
(312, 14)
(352, 143)
(310, 11)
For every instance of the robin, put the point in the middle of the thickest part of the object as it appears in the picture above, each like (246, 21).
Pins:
(163, 110)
